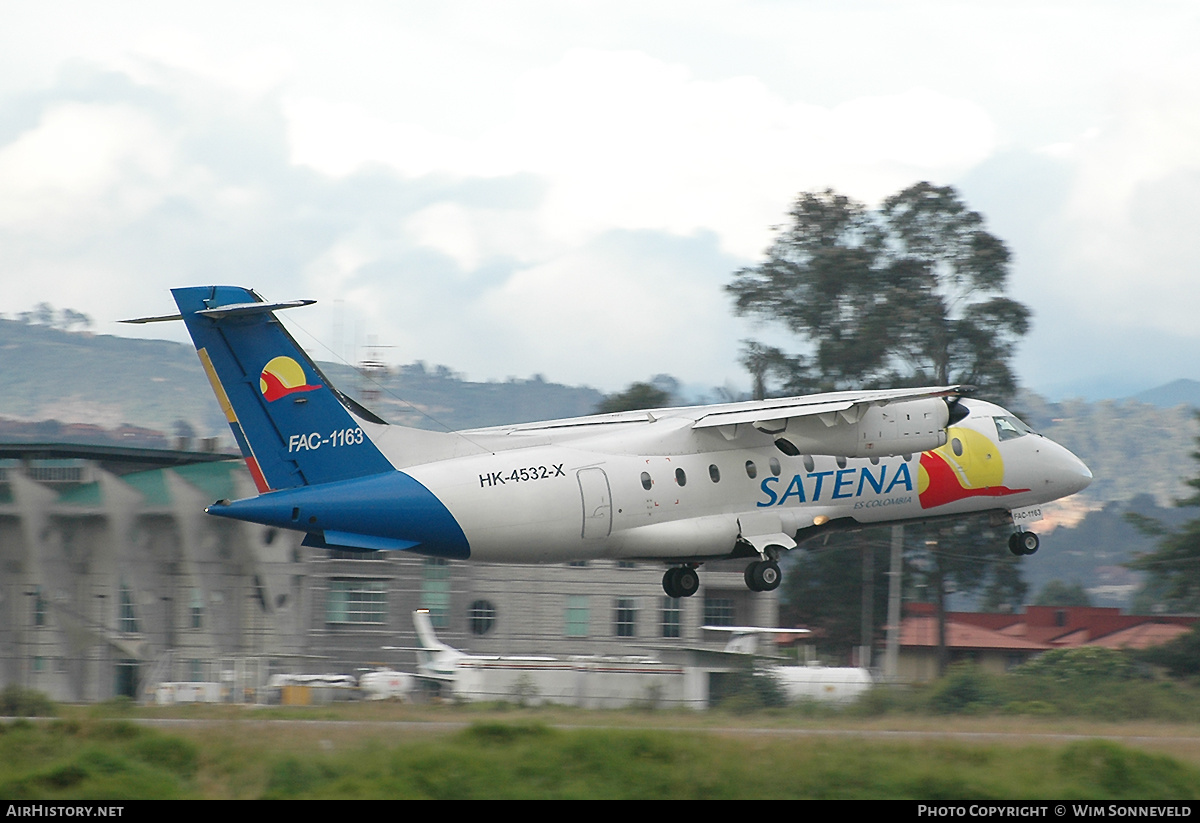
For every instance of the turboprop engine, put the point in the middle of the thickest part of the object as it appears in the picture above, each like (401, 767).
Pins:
(866, 430)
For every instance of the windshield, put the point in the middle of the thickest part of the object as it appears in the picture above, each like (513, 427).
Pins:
(1008, 427)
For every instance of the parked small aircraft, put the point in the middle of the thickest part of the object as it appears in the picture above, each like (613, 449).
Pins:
(682, 486)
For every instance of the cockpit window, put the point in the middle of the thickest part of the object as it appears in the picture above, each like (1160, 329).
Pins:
(1008, 427)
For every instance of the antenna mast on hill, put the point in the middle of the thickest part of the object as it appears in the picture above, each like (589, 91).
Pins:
(372, 371)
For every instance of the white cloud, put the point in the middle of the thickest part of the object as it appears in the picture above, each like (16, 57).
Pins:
(630, 141)
(83, 168)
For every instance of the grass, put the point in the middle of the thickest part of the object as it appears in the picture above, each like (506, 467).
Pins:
(1079, 725)
(391, 751)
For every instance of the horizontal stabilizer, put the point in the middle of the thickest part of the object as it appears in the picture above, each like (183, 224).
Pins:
(162, 318)
(237, 310)
(243, 309)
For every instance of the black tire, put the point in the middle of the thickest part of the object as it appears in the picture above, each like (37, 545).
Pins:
(1023, 543)
(750, 577)
(769, 576)
(763, 576)
(670, 582)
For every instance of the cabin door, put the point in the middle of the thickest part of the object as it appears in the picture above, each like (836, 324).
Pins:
(597, 503)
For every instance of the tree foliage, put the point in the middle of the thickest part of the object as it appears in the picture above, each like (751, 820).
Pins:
(908, 294)
(657, 394)
(1058, 593)
(1174, 567)
(911, 293)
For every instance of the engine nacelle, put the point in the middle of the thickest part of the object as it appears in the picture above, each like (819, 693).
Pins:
(906, 427)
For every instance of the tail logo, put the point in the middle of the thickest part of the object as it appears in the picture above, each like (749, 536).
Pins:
(281, 377)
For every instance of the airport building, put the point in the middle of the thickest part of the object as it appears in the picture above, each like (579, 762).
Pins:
(113, 580)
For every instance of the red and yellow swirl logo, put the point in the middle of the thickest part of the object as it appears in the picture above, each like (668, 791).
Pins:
(969, 465)
(281, 377)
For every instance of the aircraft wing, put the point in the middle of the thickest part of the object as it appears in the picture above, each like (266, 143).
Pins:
(843, 424)
(848, 404)
(772, 415)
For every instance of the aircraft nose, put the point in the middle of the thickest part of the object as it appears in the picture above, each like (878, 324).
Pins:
(1070, 473)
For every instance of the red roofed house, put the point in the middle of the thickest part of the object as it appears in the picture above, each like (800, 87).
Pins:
(998, 642)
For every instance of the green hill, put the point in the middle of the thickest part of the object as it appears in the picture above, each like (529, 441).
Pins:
(79, 377)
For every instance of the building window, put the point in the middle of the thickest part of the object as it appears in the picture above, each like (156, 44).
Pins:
(127, 620)
(39, 607)
(625, 618)
(718, 611)
(577, 616)
(671, 616)
(356, 601)
(435, 591)
(196, 610)
(482, 617)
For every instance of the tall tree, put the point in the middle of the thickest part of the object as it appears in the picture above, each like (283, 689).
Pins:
(910, 293)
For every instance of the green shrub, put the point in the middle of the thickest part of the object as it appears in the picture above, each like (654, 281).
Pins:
(16, 701)
(966, 688)
(1090, 663)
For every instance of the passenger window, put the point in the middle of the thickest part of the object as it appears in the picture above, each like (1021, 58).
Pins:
(714, 473)
(775, 467)
(956, 444)
(680, 477)
(751, 469)
(646, 482)
(809, 463)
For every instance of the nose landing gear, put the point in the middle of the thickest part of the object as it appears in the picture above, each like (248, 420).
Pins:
(1023, 543)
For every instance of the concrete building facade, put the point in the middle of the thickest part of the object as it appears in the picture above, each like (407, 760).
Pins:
(112, 579)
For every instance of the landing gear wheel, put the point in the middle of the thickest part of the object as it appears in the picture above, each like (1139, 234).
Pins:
(1023, 543)
(763, 576)
(681, 581)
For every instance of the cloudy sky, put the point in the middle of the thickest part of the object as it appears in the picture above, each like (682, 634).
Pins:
(563, 188)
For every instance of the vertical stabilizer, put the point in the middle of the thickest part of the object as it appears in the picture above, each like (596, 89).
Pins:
(289, 422)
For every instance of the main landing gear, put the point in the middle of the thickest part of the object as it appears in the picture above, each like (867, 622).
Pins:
(1022, 543)
(763, 576)
(681, 581)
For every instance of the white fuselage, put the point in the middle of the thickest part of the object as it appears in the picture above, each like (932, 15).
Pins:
(657, 487)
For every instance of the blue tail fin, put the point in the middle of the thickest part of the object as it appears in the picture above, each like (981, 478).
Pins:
(291, 425)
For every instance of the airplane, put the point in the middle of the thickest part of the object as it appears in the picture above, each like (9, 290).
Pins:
(682, 486)
(441, 663)
(590, 680)
(829, 684)
(744, 639)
